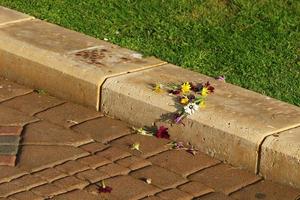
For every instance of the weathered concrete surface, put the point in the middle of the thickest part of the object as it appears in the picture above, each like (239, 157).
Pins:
(8, 16)
(230, 128)
(280, 157)
(65, 63)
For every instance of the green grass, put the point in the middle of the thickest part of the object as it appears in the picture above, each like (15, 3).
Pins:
(254, 43)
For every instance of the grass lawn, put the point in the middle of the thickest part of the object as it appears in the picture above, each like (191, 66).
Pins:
(254, 43)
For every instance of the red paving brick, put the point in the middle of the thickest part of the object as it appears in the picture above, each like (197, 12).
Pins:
(68, 160)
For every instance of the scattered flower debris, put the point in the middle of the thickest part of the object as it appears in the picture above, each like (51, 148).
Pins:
(180, 146)
(148, 180)
(221, 78)
(72, 121)
(162, 132)
(137, 55)
(104, 189)
(136, 146)
(40, 91)
(142, 131)
(191, 96)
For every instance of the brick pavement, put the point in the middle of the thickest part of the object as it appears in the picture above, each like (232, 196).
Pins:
(52, 149)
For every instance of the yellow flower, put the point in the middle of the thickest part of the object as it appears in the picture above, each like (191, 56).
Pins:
(204, 91)
(184, 100)
(158, 88)
(202, 104)
(185, 87)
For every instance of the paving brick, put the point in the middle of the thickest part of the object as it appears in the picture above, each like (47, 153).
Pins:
(160, 177)
(93, 147)
(133, 162)
(10, 90)
(50, 174)
(94, 161)
(81, 194)
(72, 167)
(18, 185)
(174, 194)
(195, 189)
(9, 188)
(113, 153)
(9, 173)
(29, 181)
(187, 164)
(103, 129)
(47, 190)
(135, 189)
(11, 117)
(215, 196)
(35, 158)
(27, 195)
(148, 145)
(45, 133)
(7, 160)
(70, 183)
(11, 130)
(267, 190)
(41, 103)
(152, 198)
(9, 140)
(92, 175)
(8, 149)
(113, 169)
(68, 114)
(224, 178)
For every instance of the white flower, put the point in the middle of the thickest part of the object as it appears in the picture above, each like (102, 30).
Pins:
(191, 108)
(105, 39)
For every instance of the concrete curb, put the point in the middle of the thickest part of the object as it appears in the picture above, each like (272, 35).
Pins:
(238, 126)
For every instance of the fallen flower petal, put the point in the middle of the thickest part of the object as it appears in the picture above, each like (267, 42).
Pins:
(136, 146)
(142, 131)
(162, 132)
(221, 78)
(158, 88)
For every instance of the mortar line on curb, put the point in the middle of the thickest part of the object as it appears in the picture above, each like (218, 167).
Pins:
(16, 21)
(259, 149)
(101, 84)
